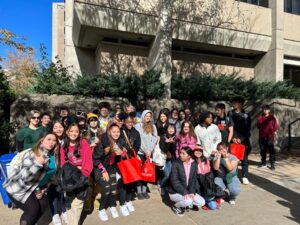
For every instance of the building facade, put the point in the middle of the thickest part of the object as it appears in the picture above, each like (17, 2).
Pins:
(249, 38)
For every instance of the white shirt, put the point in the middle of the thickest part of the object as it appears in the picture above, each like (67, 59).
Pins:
(208, 137)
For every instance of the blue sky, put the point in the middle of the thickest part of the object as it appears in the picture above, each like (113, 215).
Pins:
(32, 19)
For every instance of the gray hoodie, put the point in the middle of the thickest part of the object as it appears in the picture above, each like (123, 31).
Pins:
(148, 141)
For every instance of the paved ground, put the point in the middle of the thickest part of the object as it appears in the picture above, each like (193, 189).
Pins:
(271, 198)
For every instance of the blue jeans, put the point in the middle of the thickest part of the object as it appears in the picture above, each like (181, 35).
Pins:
(234, 187)
(211, 203)
(167, 172)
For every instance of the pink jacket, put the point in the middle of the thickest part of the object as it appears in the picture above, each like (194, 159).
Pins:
(186, 141)
(203, 167)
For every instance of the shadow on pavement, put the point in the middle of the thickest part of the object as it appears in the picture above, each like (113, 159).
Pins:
(290, 198)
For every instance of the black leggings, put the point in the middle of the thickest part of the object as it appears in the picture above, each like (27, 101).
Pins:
(125, 191)
(33, 209)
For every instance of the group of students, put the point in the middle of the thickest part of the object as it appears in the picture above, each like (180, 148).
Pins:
(62, 164)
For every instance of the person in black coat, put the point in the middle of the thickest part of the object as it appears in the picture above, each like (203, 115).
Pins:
(183, 186)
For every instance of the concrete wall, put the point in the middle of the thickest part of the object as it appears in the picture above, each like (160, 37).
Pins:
(58, 34)
(285, 110)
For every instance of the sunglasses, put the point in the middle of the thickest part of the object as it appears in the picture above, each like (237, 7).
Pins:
(80, 113)
(35, 118)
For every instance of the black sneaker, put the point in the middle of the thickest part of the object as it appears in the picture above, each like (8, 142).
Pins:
(140, 196)
(178, 211)
(272, 167)
(146, 195)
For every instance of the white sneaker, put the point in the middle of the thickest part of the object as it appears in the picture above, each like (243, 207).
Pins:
(232, 202)
(245, 180)
(64, 217)
(56, 220)
(124, 211)
(114, 212)
(130, 206)
(102, 215)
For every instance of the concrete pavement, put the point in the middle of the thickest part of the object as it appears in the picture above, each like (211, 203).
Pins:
(272, 198)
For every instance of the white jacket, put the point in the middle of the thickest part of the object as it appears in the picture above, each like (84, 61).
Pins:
(208, 137)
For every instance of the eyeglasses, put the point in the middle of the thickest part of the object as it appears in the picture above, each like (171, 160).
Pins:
(80, 113)
(35, 118)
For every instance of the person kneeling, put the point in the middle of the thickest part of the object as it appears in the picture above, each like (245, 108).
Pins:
(225, 165)
(183, 185)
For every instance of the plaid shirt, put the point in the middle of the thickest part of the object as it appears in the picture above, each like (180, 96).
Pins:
(25, 178)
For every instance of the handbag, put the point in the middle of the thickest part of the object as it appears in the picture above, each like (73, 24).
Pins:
(158, 157)
(130, 169)
(238, 150)
(148, 171)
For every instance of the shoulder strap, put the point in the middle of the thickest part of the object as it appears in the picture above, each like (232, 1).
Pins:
(127, 140)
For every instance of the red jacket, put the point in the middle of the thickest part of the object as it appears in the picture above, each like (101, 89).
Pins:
(84, 160)
(267, 126)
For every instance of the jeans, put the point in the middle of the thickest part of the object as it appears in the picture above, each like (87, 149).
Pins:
(56, 200)
(180, 202)
(234, 187)
(167, 172)
(265, 144)
(245, 162)
(211, 203)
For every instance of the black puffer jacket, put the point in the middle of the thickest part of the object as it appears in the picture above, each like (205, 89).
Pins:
(178, 182)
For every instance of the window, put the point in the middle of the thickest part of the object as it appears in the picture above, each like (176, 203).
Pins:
(292, 75)
(292, 6)
(263, 3)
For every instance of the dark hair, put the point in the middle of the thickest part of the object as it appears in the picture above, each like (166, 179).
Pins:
(204, 115)
(61, 123)
(104, 105)
(45, 114)
(191, 133)
(223, 145)
(64, 108)
(238, 99)
(166, 130)
(111, 141)
(220, 106)
(67, 143)
(264, 107)
(182, 111)
(202, 158)
(159, 124)
(188, 150)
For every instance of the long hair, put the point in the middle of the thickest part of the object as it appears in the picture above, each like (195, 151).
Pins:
(111, 141)
(168, 135)
(159, 124)
(67, 143)
(191, 132)
(148, 127)
(37, 145)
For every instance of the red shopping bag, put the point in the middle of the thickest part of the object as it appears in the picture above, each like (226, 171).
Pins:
(130, 169)
(148, 171)
(238, 150)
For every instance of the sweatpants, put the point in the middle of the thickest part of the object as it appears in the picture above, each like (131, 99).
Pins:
(180, 202)
(74, 212)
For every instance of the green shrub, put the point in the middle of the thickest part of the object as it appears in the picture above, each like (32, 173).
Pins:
(223, 87)
(6, 98)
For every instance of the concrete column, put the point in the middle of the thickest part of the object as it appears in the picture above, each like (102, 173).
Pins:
(98, 59)
(160, 53)
(270, 66)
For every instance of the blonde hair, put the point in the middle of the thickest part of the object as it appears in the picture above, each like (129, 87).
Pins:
(36, 147)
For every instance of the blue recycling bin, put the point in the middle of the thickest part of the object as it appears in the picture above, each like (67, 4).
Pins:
(4, 167)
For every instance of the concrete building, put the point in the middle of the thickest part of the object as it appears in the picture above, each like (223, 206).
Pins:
(248, 38)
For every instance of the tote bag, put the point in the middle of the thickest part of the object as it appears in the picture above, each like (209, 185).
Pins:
(238, 150)
(130, 169)
(158, 157)
(148, 171)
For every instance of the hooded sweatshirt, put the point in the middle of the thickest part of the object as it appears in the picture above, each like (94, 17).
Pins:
(148, 141)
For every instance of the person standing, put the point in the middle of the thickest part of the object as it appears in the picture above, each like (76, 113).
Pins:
(208, 134)
(27, 136)
(224, 123)
(267, 125)
(241, 134)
